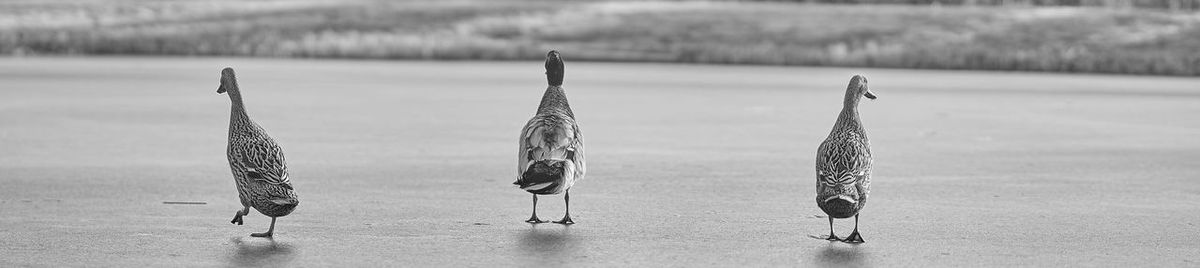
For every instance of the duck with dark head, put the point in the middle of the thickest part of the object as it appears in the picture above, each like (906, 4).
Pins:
(550, 158)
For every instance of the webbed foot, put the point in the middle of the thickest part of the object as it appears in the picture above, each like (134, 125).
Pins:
(854, 238)
(535, 220)
(833, 237)
(566, 220)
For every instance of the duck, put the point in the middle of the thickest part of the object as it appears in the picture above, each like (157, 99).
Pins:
(259, 168)
(550, 157)
(844, 163)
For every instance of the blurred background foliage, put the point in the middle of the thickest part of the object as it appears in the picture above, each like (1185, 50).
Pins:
(1158, 37)
(1161, 4)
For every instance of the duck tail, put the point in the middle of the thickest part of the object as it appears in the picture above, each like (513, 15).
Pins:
(544, 177)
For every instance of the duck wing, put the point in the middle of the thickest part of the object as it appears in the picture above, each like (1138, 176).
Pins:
(550, 137)
(841, 161)
(264, 161)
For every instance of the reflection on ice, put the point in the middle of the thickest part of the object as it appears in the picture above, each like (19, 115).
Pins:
(260, 252)
(838, 254)
(549, 244)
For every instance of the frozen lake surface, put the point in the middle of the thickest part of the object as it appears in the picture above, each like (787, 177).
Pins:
(410, 164)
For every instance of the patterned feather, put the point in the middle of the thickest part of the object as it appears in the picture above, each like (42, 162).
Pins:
(257, 162)
(843, 161)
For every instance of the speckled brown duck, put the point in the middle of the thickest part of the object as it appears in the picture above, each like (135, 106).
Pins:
(257, 162)
(844, 163)
(550, 158)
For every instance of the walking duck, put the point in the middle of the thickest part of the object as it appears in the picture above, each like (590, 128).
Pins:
(550, 158)
(257, 163)
(844, 163)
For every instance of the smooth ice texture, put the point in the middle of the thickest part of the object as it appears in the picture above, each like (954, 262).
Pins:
(411, 164)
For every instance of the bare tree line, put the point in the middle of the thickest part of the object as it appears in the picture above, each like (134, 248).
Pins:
(1158, 4)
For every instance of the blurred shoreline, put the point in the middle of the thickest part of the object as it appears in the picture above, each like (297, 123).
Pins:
(1038, 39)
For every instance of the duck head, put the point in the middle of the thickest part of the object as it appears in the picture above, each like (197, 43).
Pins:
(858, 87)
(554, 68)
(228, 81)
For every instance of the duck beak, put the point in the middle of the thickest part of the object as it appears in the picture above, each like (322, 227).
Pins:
(869, 94)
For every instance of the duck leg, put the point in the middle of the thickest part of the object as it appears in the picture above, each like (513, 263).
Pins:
(237, 216)
(269, 233)
(854, 238)
(566, 220)
(534, 218)
(832, 237)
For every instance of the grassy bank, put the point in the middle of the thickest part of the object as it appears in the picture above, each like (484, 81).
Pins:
(1030, 39)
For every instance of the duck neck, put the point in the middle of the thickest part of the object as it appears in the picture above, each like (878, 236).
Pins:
(237, 113)
(849, 116)
(555, 101)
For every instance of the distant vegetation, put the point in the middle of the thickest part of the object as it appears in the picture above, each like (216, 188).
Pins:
(1159, 4)
(1060, 39)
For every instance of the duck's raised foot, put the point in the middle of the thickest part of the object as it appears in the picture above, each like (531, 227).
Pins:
(237, 218)
(854, 238)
